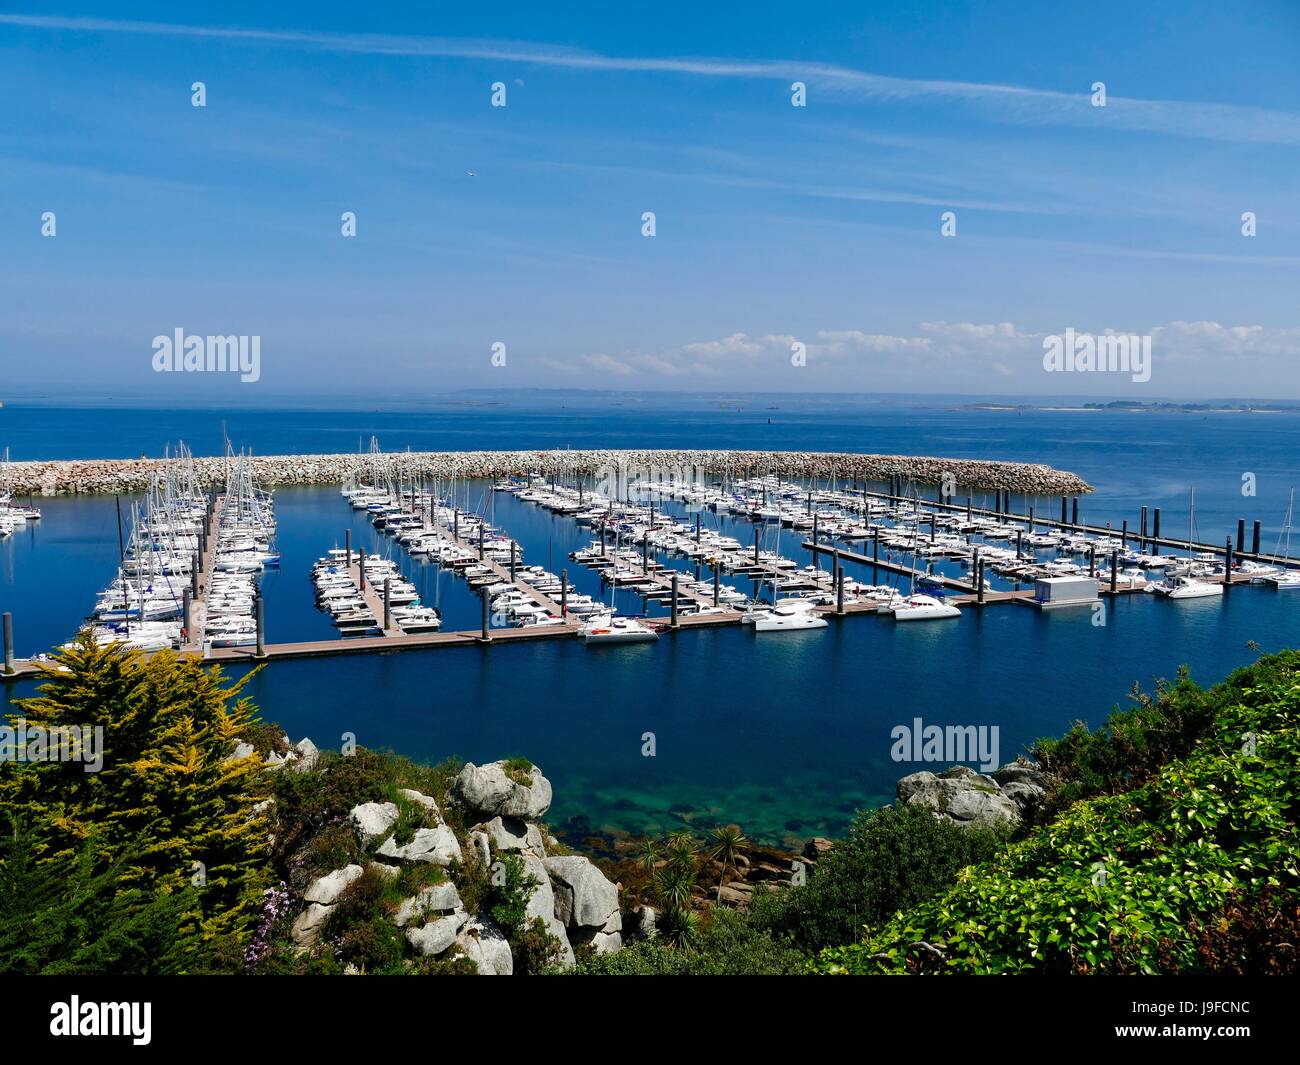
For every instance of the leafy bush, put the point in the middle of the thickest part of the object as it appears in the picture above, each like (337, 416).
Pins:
(893, 858)
(1131, 882)
(726, 944)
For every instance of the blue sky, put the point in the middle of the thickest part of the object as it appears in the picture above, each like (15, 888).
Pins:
(522, 225)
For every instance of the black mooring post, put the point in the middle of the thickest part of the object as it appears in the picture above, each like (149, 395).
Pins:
(514, 547)
(194, 577)
(645, 553)
(564, 593)
(486, 635)
(1031, 521)
(1254, 540)
(1241, 535)
(1227, 565)
(1074, 512)
(979, 583)
(814, 539)
(1142, 537)
(361, 567)
(187, 602)
(1114, 572)
(7, 623)
(1123, 534)
(1155, 531)
(482, 540)
(259, 615)
(968, 508)
(697, 528)
(347, 546)
(388, 603)
(674, 613)
(1092, 560)
(839, 590)
(1063, 502)
(716, 581)
(755, 545)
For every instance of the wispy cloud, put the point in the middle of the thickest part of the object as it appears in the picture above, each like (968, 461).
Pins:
(1005, 103)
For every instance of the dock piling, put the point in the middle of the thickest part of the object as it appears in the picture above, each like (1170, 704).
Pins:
(979, 583)
(259, 618)
(816, 527)
(1092, 560)
(839, 590)
(187, 623)
(1241, 535)
(755, 545)
(1142, 539)
(7, 620)
(1227, 565)
(361, 566)
(514, 548)
(347, 547)
(564, 594)
(483, 597)
(1114, 572)
(674, 609)
(1254, 540)
(1063, 510)
(388, 603)
(717, 580)
(1123, 535)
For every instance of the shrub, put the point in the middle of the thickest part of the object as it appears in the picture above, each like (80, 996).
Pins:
(893, 858)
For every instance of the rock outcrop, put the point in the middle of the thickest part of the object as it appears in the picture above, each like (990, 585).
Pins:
(502, 803)
(966, 797)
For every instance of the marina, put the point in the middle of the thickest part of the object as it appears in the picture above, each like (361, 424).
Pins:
(713, 681)
(189, 571)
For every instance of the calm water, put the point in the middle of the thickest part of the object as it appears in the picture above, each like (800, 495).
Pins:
(786, 734)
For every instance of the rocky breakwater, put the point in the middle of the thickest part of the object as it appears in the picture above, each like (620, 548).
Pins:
(603, 466)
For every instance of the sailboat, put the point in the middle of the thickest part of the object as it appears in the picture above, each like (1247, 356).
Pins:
(1184, 585)
(1287, 578)
(785, 615)
(919, 606)
(607, 627)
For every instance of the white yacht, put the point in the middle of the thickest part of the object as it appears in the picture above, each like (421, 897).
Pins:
(924, 608)
(608, 628)
(1185, 587)
(787, 617)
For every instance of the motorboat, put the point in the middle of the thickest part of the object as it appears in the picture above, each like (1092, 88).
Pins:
(924, 608)
(1186, 587)
(609, 628)
(788, 617)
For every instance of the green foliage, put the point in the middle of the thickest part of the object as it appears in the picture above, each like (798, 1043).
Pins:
(508, 899)
(166, 795)
(1130, 747)
(892, 858)
(72, 914)
(725, 944)
(1178, 853)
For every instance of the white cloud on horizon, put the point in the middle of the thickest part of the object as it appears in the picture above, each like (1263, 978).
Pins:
(1188, 357)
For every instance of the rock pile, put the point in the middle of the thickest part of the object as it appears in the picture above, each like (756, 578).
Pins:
(966, 797)
(575, 900)
(502, 803)
(969, 475)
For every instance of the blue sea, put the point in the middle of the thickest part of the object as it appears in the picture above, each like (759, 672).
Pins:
(788, 735)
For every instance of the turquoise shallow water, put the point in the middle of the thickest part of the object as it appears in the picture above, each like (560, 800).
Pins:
(787, 735)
